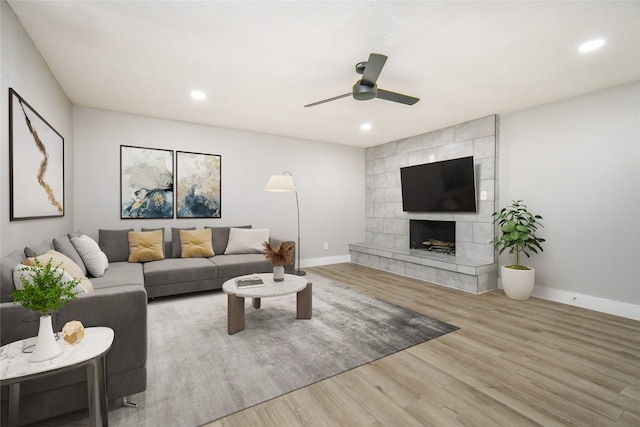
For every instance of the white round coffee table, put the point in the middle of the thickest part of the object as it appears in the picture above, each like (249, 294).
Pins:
(291, 284)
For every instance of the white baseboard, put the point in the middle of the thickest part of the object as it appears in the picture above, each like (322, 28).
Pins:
(314, 262)
(617, 308)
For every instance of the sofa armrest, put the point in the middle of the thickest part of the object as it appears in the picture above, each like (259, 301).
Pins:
(123, 309)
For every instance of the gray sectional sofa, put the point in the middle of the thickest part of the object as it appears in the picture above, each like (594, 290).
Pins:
(119, 301)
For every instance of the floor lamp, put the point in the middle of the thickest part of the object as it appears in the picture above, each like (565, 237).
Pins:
(285, 183)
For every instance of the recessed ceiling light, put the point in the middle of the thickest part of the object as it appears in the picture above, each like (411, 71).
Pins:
(196, 94)
(591, 45)
(365, 126)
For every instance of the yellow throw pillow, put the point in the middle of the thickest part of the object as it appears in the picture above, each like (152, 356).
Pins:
(196, 243)
(60, 260)
(145, 246)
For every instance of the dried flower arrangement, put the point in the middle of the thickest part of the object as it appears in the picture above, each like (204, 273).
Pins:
(282, 254)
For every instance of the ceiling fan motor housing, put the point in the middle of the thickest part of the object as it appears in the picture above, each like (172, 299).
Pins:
(362, 92)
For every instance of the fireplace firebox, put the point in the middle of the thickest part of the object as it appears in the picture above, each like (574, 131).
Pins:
(433, 236)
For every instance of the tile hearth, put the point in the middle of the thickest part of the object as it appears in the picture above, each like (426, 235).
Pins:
(468, 275)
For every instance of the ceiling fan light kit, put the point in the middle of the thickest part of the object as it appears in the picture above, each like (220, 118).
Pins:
(367, 88)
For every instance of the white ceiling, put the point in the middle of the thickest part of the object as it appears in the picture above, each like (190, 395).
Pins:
(260, 62)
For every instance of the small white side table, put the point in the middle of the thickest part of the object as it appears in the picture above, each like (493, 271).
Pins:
(15, 368)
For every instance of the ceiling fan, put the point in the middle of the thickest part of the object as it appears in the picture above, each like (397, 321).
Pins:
(366, 88)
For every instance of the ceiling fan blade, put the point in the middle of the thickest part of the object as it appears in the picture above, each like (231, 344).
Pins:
(328, 100)
(373, 68)
(396, 97)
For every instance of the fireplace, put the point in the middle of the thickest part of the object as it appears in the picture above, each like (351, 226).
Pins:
(433, 236)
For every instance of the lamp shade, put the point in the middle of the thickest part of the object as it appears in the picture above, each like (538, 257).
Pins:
(280, 183)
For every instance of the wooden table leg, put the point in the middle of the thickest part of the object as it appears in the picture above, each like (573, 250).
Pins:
(256, 303)
(235, 313)
(304, 302)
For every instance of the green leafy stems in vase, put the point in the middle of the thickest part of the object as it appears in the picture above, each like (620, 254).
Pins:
(43, 289)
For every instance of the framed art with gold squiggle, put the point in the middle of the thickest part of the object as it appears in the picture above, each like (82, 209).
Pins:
(36, 153)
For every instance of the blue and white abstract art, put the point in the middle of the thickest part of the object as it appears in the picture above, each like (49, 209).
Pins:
(146, 181)
(198, 185)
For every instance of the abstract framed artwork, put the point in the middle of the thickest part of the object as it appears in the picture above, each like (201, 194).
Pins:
(198, 189)
(36, 153)
(146, 183)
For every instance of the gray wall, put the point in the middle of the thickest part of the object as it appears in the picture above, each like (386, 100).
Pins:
(24, 70)
(388, 225)
(577, 163)
(329, 177)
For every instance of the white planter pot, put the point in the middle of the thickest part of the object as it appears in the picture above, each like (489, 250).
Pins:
(46, 345)
(517, 284)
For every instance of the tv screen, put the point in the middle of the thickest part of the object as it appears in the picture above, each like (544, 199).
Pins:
(446, 186)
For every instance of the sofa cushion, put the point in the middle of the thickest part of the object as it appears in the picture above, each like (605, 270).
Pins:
(60, 260)
(120, 274)
(238, 265)
(95, 260)
(145, 246)
(64, 246)
(7, 264)
(176, 247)
(220, 237)
(196, 243)
(114, 244)
(178, 270)
(243, 241)
(38, 249)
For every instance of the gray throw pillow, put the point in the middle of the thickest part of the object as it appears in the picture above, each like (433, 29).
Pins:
(176, 247)
(64, 246)
(33, 251)
(115, 244)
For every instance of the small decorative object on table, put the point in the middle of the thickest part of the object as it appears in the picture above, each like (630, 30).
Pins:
(44, 289)
(73, 332)
(249, 282)
(279, 256)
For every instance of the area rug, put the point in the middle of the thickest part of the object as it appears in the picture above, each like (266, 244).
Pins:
(198, 373)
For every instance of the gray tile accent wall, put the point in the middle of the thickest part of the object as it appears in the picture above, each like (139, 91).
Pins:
(387, 226)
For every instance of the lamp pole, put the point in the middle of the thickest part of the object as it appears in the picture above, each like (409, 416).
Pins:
(285, 182)
(298, 272)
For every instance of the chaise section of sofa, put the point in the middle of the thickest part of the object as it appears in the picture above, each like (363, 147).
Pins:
(119, 301)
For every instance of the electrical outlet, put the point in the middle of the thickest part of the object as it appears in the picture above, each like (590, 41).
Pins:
(483, 195)
(432, 158)
(326, 246)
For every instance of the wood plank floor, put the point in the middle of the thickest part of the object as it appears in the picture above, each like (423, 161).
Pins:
(512, 363)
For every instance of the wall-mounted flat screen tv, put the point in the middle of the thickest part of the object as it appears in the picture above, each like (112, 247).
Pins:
(446, 186)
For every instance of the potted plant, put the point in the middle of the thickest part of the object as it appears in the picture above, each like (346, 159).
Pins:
(279, 256)
(45, 290)
(517, 233)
